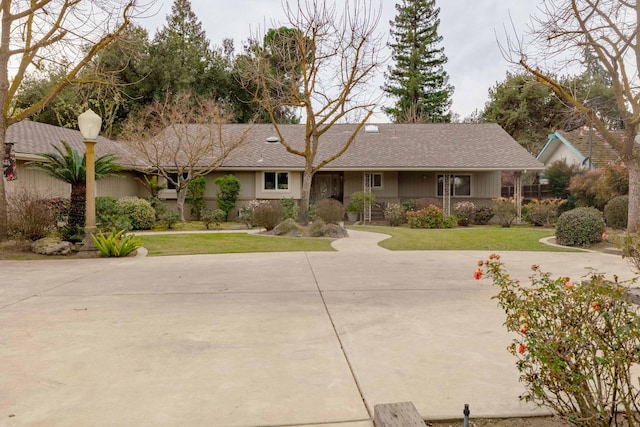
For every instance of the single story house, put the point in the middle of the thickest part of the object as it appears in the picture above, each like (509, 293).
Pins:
(584, 147)
(449, 162)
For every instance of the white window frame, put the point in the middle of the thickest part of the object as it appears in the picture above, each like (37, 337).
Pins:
(372, 176)
(277, 184)
(440, 189)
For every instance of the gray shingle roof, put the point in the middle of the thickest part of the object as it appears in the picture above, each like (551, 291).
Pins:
(393, 147)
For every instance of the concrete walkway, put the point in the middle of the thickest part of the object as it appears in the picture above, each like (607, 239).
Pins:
(266, 339)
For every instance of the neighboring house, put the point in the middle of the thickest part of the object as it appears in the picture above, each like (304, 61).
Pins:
(584, 147)
(397, 162)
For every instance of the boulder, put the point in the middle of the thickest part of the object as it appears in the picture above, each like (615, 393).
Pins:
(51, 246)
(288, 228)
(334, 231)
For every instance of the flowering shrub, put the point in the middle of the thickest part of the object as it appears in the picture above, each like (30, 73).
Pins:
(464, 212)
(505, 210)
(430, 217)
(483, 215)
(576, 343)
(395, 214)
(542, 212)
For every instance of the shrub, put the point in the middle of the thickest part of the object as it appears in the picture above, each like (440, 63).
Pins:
(616, 212)
(215, 216)
(395, 214)
(138, 211)
(576, 344)
(266, 213)
(290, 207)
(29, 215)
(360, 201)
(542, 212)
(195, 195)
(330, 211)
(483, 214)
(409, 205)
(580, 227)
(505, 210)
(59, 206)
(615, 180)
(430, 217)
(110, 215)
(169, 218)
(586, 188)
(464, 212)
(227, 195)
(116, 244)
(425, 202)
(559, 175)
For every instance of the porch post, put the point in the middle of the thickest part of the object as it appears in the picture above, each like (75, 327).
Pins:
(517, 196)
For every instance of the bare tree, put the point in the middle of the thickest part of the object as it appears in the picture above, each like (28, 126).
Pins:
(322, 67)
(564, 32)
(181, 139)
(37, 33)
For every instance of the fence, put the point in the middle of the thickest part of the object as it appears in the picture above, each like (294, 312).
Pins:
(535, 191)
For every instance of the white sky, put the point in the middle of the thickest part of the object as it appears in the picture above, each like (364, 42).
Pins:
(469, 29)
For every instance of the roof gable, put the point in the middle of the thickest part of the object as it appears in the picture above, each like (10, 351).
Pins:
(581, 142)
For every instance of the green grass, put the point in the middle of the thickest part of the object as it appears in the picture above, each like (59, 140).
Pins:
(219, 243)
(491, 238)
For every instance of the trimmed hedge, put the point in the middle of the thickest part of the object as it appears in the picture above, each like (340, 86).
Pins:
(580, 227)
(616, 212)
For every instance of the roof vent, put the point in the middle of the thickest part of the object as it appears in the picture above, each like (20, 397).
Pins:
(273, 139)
(371, 129)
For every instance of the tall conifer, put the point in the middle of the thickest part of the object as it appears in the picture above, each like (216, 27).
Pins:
(417, 80)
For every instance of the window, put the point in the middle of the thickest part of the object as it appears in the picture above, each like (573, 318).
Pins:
(374, 180)
(276, 181)
(460, 185)
(174, 178)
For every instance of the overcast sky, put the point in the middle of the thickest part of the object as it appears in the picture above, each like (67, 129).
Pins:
(468, 27)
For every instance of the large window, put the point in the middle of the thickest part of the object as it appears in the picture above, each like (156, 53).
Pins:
(459, 185)
(276, 181)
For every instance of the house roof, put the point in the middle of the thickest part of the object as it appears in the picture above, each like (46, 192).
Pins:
(393, 147)
(448, 147)
(33, 138)
(578, 141)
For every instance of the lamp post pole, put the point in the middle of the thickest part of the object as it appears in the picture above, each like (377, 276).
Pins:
(89, 124)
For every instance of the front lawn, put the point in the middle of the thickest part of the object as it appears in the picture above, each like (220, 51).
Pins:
(486, 238)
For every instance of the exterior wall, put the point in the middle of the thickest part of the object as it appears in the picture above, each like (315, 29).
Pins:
(124, 184)
(562, 152)
(416, 185)
(293, 192)
(354, 181)
(37, 182)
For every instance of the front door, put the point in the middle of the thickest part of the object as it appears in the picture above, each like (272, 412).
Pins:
(326, 185)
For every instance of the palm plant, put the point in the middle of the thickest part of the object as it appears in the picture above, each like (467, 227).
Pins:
(67, 165)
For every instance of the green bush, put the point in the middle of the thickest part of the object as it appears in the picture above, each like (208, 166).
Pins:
(409, 205)
(580, 227)
(542, 212)
(505, 210)
(360, 201)
(559, 175)
(169, 218)
(116, 243)
(430, 217)
(330, 211)
(195, 195)
(139, 212)
(109, 215)
(291, 208)
(227, 195)
(464, 212)
(266, 213)
(616, 212)
(215, 216)
(588, 189)
(576, 345)
(483, 215)
(395, 214)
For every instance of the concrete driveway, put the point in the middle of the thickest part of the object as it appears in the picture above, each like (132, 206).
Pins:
(260, 339)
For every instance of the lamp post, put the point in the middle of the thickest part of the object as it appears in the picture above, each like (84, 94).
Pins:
(89, 124)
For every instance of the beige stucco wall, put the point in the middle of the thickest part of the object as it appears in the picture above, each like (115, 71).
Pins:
(37, 182)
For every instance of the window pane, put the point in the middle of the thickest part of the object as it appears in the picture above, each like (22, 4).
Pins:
(462, 185)
(283, 180)
(269, 180)
(377, 180)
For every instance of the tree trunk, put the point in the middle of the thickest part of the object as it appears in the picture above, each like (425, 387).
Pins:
(305, 195)
(4, 207)
(181, 196)
(77, 208)
(633, 166)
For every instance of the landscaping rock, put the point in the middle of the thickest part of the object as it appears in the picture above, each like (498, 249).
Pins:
(51, 246)
(334, 231)
(288, 228)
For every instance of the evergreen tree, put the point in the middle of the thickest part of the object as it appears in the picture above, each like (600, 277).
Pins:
(418, 80)
(180, 56)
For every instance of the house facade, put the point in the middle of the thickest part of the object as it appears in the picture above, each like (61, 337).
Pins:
(584, 147)
(396, 162)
